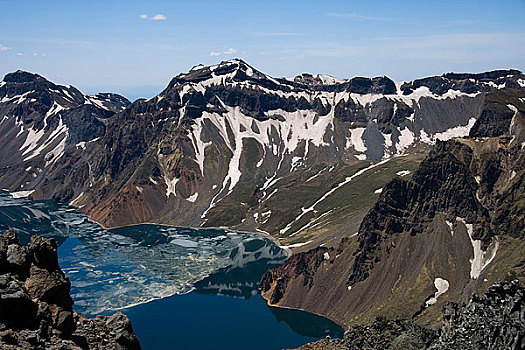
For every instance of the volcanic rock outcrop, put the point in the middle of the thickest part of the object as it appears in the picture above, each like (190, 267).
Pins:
(36, 308)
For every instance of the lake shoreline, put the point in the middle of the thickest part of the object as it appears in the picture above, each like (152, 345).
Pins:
(259, 233)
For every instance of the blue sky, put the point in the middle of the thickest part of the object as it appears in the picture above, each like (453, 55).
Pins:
(136, 47)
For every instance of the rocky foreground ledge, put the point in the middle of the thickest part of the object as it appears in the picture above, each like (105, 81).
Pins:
(36, 308)
(493, 321)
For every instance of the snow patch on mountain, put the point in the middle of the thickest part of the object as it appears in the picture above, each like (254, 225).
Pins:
(356, 140)
(198, 144)
(450, 226)
(481, 258)
(299, 126)
(21, 194)
(35, 143)
(458, 131)
(442, 286)
(193, 197)
(406, 139)
(170, 186)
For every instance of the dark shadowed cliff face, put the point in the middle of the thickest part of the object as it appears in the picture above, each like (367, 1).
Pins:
(456, 226)
(35, 305)
(492, 321)
(304, 265)
(225, 145)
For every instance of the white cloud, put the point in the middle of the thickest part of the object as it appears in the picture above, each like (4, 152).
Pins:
(230, 51)
(35, 54)
(20, 54)
(358, 16)
(157, 17)
(4, 48)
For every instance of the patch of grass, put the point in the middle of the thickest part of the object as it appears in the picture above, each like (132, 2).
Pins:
(348, 202)
(291, 194)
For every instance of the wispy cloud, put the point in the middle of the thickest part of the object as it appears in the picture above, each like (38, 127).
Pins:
(230, 51)
(34, 54)
(449, 48)
(354, 15)
(4, 48)
(157, 17)
(277, 34)
(462, 22)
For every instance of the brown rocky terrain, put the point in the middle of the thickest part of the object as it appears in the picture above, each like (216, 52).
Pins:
(492, 321)
(36, 308)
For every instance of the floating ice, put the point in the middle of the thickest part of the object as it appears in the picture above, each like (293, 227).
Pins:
(113, 269)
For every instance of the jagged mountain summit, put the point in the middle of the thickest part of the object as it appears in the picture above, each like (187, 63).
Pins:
(222, 145)
(41, 121)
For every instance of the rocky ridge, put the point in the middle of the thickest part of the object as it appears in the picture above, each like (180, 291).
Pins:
(36, 308)
(41, 121)
(493, 321)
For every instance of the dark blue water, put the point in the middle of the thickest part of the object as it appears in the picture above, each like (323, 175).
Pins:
(188, 288)
(200, 321)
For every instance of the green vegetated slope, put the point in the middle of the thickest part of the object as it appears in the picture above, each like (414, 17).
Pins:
(280, 209)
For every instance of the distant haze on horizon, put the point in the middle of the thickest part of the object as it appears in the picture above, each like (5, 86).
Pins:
(136, 47)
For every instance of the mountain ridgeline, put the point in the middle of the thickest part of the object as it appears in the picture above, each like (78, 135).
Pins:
(227, 145)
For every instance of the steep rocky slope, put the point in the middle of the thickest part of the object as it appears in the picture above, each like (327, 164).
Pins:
(227, 145)
(454, 228)
(35, 305)
(492, 321)
(41, 121)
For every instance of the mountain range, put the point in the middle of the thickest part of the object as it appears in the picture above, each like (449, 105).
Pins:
(395, 196)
